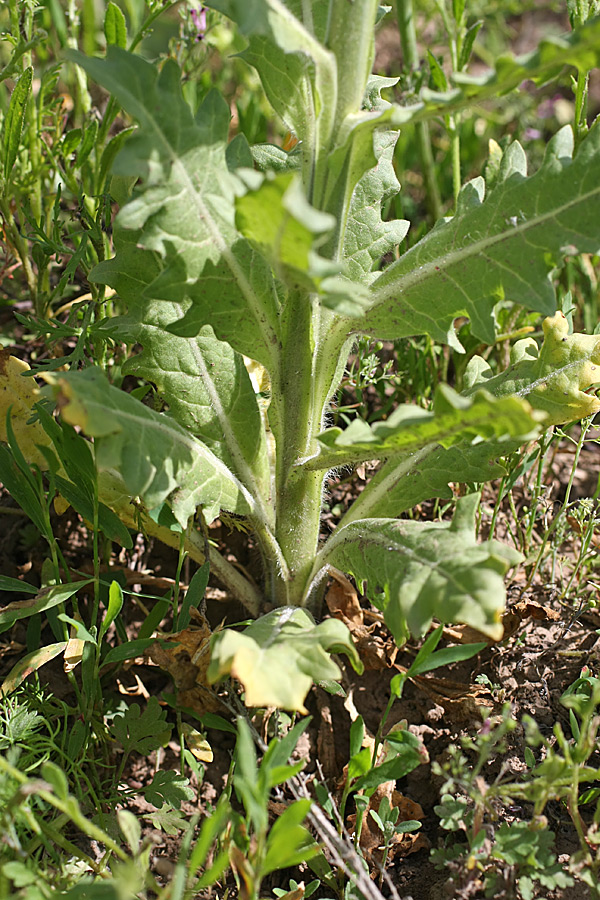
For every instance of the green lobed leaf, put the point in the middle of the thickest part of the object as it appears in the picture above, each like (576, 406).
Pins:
(580, 49)
(280, 221)
(167, 819)
(289, 232)
(142, 731)
(494, 248)
(427, 570)
(368, 237)
(157, 459)
(176, 239)
(555, 379)
(454, 419)
(14, 121)
(280, 655)
(168, 787)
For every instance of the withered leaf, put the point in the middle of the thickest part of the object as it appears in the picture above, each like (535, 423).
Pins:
(185, 655)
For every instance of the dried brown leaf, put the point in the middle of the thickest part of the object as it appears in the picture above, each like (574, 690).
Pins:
(185, 655)
(342, 600)
(371, 838)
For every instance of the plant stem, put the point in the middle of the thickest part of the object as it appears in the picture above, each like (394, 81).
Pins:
(410, 51)
(351, 40)
(297, 419)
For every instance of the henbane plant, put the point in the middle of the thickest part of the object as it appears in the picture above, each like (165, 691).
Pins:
(248, 272)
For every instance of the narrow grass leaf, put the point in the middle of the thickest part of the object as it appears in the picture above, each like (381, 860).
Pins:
(30, 663)
(44, 600)
(127, 651)
(13, 584)
(194, 595)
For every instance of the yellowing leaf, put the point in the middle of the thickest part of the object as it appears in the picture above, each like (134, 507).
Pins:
(197, 744)
(19, 394)
(73, 654)
(278, 657)
(555, 378)
(30, 663)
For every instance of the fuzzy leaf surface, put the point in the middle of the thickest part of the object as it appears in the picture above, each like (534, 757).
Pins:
(279, 656)
(206, 385)
(279, 219)
(494, 248)
(368, 237)
(182, 244)
(427, 570)
(298, 73)
(454, 419)
(157, 459)
(403, 482)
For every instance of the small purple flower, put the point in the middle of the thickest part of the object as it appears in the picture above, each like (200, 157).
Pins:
(532, 134)
(199, 20)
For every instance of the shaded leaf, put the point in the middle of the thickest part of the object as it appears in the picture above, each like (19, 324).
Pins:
(45, 599)
(127, 651)
(166, 819)
(30, 663)
(13, 584)
(142, 731)
(185, 655)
